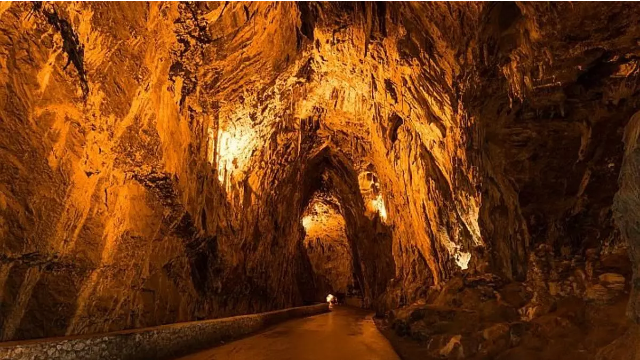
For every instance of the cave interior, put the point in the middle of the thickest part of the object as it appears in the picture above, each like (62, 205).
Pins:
(468, 171)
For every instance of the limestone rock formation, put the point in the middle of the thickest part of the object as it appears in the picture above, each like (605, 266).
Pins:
(327, 246)
(158, 161)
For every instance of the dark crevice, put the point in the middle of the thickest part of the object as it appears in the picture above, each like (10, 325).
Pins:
(70, 43)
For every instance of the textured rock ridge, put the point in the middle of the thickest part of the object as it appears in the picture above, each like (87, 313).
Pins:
(159, 162)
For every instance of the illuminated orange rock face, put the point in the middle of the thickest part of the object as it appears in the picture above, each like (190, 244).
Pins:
(157, 159)
(327, 246)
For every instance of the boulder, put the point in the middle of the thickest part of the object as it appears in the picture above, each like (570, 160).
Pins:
(496, 340)
(495, 332)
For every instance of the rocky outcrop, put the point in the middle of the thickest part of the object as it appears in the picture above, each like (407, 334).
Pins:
(482, 318)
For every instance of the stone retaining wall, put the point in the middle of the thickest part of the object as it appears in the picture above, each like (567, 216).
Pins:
(161, 342)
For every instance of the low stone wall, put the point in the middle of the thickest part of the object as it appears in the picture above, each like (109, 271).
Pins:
(161, 342)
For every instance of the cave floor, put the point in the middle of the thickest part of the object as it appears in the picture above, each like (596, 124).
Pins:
(344, 333)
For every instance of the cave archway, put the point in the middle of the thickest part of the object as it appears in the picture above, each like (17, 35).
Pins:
(370, 240)
(327, 247)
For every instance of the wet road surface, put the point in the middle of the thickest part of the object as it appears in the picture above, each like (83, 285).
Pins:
(342, 334)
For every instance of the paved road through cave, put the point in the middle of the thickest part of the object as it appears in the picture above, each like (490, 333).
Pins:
(342, 334)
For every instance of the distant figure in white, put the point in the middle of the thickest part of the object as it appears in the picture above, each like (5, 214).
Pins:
(331, 300)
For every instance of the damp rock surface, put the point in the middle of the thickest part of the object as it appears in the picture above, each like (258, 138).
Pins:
(158, 161)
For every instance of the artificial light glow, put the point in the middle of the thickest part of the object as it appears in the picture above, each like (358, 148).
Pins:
(462, 259)
(370, 190)
(318, 217)
(330, 298)
(378, 204)
(235, 146)
(307, 221)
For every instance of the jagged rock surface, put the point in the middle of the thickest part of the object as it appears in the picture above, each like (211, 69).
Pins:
(158, 159)
(327, 246)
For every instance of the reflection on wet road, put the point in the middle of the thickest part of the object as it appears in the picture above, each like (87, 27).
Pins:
(343, 334)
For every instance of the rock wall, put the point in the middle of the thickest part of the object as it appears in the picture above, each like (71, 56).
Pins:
(161, 156)
(327, 247)
(552, 151)
(113, 215)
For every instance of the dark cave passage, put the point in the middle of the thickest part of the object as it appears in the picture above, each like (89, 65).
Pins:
(339, 212)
